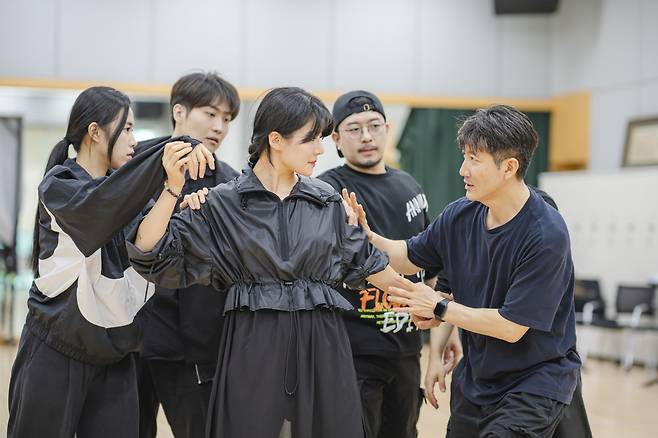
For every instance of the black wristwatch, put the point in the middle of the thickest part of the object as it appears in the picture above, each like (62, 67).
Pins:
(440, 308)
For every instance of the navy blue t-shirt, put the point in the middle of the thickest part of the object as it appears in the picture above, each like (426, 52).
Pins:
(523, 268)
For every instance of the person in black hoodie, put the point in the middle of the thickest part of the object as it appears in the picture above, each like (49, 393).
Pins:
(280, 243)
(74, 373)
(181, 340)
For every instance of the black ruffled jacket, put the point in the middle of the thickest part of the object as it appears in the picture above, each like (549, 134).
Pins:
(267, 253)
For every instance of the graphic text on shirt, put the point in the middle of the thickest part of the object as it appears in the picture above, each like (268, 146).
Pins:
(416, 205)
(375, 306)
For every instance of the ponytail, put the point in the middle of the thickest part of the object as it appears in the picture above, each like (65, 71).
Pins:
(254, 154)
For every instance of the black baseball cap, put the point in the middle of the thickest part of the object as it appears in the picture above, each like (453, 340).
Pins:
(356, 101)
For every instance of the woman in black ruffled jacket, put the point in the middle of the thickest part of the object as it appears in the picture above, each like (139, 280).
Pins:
(280, 243)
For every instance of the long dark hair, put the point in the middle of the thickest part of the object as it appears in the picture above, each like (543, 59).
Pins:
(285, 110)
(96, 104)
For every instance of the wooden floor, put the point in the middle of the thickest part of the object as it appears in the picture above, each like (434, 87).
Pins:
(618, 403)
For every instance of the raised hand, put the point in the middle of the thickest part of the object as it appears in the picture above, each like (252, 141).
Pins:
(200, 158)
(352, 216)
(174, 161)
(350, 200)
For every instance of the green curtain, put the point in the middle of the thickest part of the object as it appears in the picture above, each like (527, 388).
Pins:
(429, 152)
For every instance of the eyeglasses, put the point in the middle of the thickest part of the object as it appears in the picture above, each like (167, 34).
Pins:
(374, 128)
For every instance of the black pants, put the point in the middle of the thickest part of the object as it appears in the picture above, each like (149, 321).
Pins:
(390, 395)
(285, 371)
(516, 415)
(52, 395)
(574, 422)
(175, 385)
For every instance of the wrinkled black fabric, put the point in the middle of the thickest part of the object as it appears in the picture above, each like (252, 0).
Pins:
(52, 395)
(251, 399)
(517, 414)
(185, 324)
(281, 262)
(95, 213)
(286, 254)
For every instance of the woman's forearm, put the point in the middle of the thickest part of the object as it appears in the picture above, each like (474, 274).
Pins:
(386, 278)
(154, 225)
(397, 254)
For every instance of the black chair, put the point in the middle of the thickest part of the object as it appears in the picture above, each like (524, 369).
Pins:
(634, 309)
(590, 312)
(588, 301)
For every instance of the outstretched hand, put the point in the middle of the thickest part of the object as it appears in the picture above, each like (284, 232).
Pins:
(352, 216)
(350, 202)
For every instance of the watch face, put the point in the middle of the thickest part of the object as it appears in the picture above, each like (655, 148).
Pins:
(441, 308)
(437, 310)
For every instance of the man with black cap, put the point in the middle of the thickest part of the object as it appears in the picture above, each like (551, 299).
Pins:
(385, 345)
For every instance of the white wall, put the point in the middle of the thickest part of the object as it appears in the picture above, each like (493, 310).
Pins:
(612, 218)
(436, 47)
(611, 48)
(426, 47)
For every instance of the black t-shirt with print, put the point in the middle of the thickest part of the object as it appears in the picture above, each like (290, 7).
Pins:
(396, 207)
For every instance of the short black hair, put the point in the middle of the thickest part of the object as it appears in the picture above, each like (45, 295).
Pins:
(195, 90)
(285, 110)
(504, 132)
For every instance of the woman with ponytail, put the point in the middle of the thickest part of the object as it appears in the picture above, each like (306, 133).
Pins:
(279, 243)
(74, 374)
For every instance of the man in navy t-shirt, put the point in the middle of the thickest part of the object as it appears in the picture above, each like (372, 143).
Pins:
(507, 255)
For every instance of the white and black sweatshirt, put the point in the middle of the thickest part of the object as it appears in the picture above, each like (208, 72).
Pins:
(86, 296)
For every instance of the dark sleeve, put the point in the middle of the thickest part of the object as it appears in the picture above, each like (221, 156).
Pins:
(539, 283)
(182, 257)
(423, 248)
(360, 258)
(93, 211)
(431, 272)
